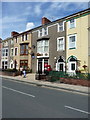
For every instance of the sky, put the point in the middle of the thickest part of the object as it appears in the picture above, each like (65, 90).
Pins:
(23, 16)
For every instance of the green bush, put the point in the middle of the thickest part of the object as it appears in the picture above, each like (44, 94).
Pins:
(89, 76)
(11, 70)
(29, 70)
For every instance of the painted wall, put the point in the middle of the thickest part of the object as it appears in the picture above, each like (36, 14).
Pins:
(53, 34)
(18, 57)
(81, 51)
(89, 42)
(0, 51)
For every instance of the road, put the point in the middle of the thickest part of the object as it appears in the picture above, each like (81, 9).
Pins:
(22, 100)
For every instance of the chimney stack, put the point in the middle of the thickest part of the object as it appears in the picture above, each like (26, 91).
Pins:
(45, 21)
(13, 33)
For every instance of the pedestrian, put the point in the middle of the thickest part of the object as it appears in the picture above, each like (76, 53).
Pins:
(21, 71)
(24, 73)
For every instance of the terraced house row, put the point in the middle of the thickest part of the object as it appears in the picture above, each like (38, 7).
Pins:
(64, 44)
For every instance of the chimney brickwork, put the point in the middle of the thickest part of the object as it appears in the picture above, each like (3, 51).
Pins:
(13, 33)
(45, 20)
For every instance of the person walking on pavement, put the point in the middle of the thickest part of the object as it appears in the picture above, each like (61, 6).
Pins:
(24, 73)
(21, 71)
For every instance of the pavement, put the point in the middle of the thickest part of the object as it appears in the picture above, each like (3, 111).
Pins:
(30, 79)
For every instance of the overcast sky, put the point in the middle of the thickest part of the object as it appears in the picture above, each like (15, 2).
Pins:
(22, 16)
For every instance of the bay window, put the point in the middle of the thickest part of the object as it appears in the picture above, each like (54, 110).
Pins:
(43, 46)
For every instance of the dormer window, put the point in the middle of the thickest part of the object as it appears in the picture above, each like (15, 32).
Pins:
(42, 32)
(61, 26)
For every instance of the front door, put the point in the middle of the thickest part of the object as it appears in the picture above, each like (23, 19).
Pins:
(61, 67)
(72, 67)
(40, 66)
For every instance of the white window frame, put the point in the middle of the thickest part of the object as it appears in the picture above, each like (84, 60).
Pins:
(23, 37)
(12, 53)
(17, 51)
(6, 43)
(12, 41)
(58, 49)
(43, 46)
(4, 63)
(69, 66)
(58, 24)
(70, 24)
(4, 52)
(43, 61)
(42, 31)
(12, 64)
(69, 47)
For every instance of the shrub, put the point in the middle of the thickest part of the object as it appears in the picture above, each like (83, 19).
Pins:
(11, 70)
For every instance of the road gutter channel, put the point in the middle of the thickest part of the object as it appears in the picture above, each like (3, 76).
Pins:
(38, 84)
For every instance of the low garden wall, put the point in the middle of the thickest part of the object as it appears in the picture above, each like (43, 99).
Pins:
(75, 81)
(9, 73)
(60, 77)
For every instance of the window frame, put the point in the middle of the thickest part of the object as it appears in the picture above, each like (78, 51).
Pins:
(58, 39)
(12, 42)
(16, 39)
(43, 31)
(74, 23)
(24, 63)
(5, 53)
(25, 51)
(26, 36)
(22, 37)
(58, 28)
(69, 47)
(15, 51)
(42, 46)
(12, 52)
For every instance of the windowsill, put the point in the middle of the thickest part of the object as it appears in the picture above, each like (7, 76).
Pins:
(72, 27)
(72, 48)
(42, 36)
(61, 31)
(60, 50)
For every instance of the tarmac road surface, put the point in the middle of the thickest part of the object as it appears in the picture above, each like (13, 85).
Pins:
(22, 100)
